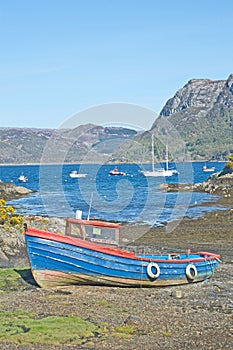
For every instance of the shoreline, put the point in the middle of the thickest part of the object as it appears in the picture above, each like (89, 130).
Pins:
(114, 163)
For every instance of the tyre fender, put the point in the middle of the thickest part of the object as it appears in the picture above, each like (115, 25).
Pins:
(191, 272)
(153, 270)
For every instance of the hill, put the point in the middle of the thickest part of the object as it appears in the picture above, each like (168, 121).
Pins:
(85, 143)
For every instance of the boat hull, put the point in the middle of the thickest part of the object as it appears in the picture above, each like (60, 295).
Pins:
(159, 173)
(77, 176)
(58, 260)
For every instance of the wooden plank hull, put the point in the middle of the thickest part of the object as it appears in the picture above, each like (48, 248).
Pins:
(57, 260)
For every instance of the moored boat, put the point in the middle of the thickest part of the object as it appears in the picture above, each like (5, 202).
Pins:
(75, 174)
(89, 253)
(116, 172)
(22, 178)
(162, 172)
(211, 169)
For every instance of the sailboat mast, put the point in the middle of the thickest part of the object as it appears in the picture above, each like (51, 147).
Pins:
(166, 157)
(152, 153)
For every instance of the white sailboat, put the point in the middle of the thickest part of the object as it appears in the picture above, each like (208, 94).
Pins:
(165, 172)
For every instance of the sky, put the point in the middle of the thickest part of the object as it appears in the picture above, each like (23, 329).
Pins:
(62, 57)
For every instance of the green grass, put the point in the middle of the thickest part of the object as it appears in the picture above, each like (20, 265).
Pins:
(166, 334)
(104, 303)
(23, 328)
(123, 332)
(12, 278)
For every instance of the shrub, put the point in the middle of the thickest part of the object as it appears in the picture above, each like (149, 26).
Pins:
(229, 165)
(16, 220)
(230, 157)
(7, 214)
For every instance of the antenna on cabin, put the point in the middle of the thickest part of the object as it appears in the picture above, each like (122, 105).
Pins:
(89, 210)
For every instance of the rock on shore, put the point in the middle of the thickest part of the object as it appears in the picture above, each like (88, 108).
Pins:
(12, 242)
(217, 183)
(12, 245)
(9, 191)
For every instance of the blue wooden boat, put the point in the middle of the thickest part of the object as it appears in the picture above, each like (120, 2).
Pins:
(88, 253)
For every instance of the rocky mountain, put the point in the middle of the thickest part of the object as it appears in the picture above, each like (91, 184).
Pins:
(197, 124)
(85, 143)
(202, 113)
(197, 93)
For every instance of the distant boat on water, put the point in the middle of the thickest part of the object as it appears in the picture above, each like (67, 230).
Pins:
(165, 172)
(116, 172)
(76, 174)
(211, 169)
(22, 178)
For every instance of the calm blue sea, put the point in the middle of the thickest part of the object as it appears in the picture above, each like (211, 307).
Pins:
(130, 198)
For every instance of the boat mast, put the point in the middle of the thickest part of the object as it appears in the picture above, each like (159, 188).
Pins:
(166, 157)
(152, 153)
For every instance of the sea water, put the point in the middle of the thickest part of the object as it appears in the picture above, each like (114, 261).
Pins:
(129, 198)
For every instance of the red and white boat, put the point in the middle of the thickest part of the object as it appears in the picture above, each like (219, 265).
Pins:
(116, 172)
(204, 168)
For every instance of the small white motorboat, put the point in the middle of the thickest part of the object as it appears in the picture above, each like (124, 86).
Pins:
(75, 174)
(22, 178)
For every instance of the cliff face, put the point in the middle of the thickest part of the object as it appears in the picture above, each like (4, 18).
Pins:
(199, 93)
(202, 113)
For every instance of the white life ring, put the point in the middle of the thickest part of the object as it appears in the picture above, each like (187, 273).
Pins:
(153, 270)
(191, 272)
